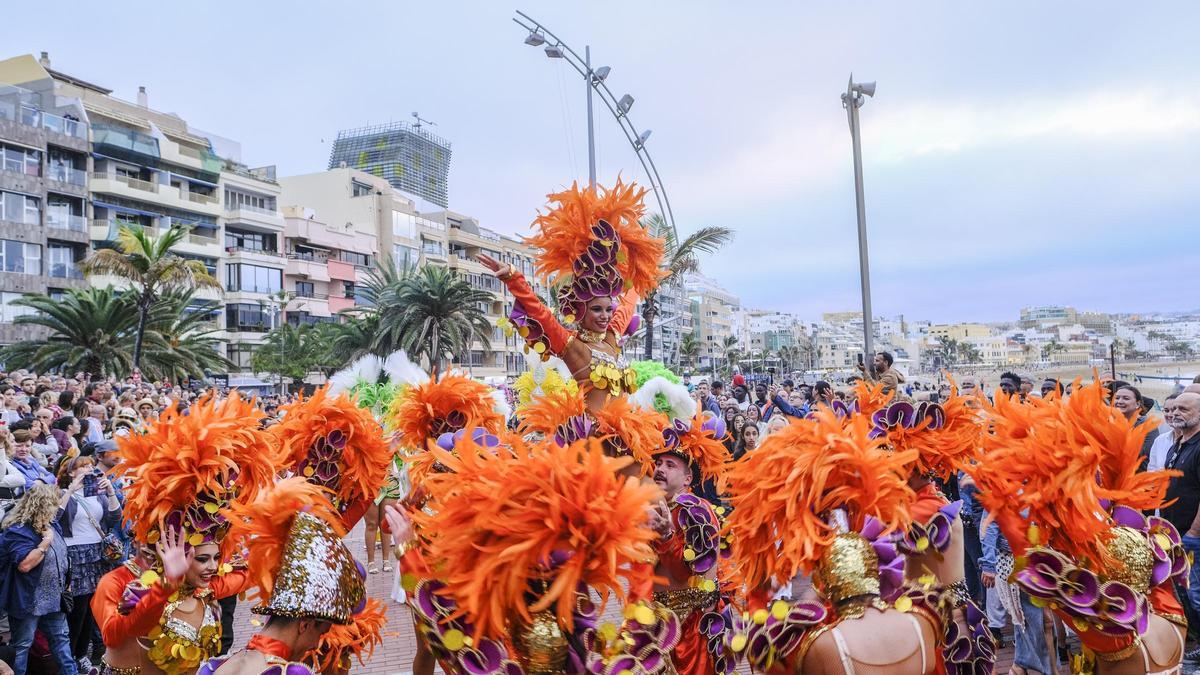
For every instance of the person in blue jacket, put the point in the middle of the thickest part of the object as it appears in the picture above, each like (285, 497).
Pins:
(34, 564)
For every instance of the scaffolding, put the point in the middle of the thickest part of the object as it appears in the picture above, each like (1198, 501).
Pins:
(407, 156)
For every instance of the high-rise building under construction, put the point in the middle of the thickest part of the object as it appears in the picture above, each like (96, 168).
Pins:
(407, 156)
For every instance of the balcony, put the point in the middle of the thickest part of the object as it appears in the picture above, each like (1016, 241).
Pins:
(64, 126)
(65, 271)
(106, 230)
(68, 175)
(341, 271)
(337, 304)
(322, 235)
(107, 179)
(199, 197)
(307, 267)
(253, 214)
(200, 239)
(61, 221)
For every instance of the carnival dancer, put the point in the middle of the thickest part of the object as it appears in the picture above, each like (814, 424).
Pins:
(592, 244)
(181, 474)
(822, 497)
(307, 582)
(691, 546)
(518, 534)
(1061, 477)
(946, 437)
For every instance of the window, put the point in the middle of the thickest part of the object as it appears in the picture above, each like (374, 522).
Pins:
(359, 259)
(20, 160)
(433, 247)
(20, 257)
(404, 257)
(349, 289)
(358, 189)
(9, 311)
(62, 261)
(247, 318)
(64, 168)
(56, 294)
(240, 355)
(19, 208)
(404, 225)
(249, 241)
(304, 289)
(245, 200)
(253, 278)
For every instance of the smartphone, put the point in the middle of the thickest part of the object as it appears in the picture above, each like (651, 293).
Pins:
(860, 359)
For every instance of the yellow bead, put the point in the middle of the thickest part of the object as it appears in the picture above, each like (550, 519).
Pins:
(709, 585)
(644, 615)
(152, 538)
(720, 510)
(608, 631)
(779, 610)
(453, 639)
(1163, 540)
(539, 347)
(148, 577)
(211, 507)
(309, 471)
(570, 318)
(760, 616)
(196, 539)
(1034, 535)
(904, 603)
(689, 555)
(523, 331)
(601, 383)
(738, 643)
(922, 543)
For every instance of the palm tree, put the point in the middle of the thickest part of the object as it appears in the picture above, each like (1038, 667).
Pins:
(147, 263)
(89, 332)
(689, 349)
(287, 351)
(679, 259)
(729, 350)
(429, 312)
(180, 339)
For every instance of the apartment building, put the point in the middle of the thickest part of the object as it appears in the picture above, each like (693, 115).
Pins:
(713, 312)
(43, 197)
(143, 167)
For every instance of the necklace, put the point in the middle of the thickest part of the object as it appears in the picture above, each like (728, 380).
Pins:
(591, 336)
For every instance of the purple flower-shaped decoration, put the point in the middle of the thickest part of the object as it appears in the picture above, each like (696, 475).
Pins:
(969, 649)
(924, 415)
(635, 647)
(701, 532)
(776, 632)
(935, 534)
(1170, 559)
(574, 429)
(432, 613)
(1110, 607)
(673, 433)
(891, 560)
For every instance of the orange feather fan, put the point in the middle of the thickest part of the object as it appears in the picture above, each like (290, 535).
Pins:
(497, 520)
(703, 450)
(564, 233)
(638, 429)
(942, 451)
(1051, 462)
(428, 410)
(216, 452)
(784, 492)
(869, 397)
(357, 638)
(363, 460)
(262, 527)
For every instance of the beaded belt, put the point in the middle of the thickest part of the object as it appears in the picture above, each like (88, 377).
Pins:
(105, 669)
(684, 601)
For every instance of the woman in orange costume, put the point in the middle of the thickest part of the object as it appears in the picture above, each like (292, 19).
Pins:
(181, 474)
(819, 497)
(592, 243)
(1061, 477)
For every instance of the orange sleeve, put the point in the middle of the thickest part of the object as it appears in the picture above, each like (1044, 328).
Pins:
(356, 510)
(929, 502)
(625, 313)
(115, 628)
(1097, 641)
(555, 332)
(230, 584)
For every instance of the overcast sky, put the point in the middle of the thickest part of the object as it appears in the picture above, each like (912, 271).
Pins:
(1016, 154)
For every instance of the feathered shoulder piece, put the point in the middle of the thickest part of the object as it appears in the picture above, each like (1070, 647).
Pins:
(517, 532)
(545, 378)
(647, 370)
(263, 527)
(785, 493)
(1063, 466)
(427, 410)
(356, 639)
(946, 436)
(186, 468)
(869, 397)
(624, 429)
(699, 441)
(662, 395)
(592, 241)
(333, 443)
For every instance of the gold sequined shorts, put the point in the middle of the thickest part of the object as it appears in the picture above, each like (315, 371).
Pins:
(684, 601)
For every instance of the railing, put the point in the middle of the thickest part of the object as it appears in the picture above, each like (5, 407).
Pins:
(309, 296)
(239, 288)
(308, 257)
(65, 174)
(65, 271)
(188, 151)
(201, 198)
(64, 126)
(234, 208)
(201, 239)
(67, 222)
(135, 183)
(246, 249)
(112, 226)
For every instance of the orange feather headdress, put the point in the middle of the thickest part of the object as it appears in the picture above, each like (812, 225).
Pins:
(1062, 465)
(187, 467)
(426, 411)
(517, 532)
(784, 492)
(592, 242)
(625, 428)
(334, 443)
(699, 442)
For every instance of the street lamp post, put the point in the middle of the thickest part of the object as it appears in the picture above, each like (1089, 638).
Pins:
(852, 100)
(541, 36)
